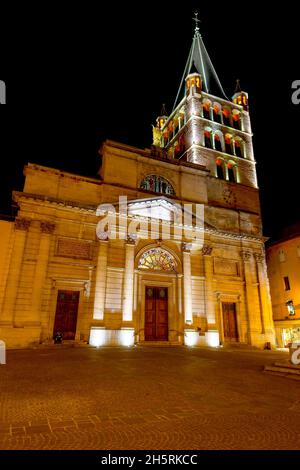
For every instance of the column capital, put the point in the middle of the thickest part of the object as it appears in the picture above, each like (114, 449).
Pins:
(47, 228)
(207, 250)
(103, 236)
(22, 224)
(131, 239)
(246, 255)
(259, 257)
(186, 247)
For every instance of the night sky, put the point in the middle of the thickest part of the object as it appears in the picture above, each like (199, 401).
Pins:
(79, 76)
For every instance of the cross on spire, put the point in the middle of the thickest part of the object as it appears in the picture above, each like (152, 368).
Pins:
(197, 22)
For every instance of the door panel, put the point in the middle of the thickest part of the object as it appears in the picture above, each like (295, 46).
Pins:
(66, 314)
(156, 314)
(230, 322)
(150, 314)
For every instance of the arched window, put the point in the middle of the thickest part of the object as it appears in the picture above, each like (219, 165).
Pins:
(228, 143)
(236, 119)
(217, 113)
(231, 172)
(220, 169)
(238, 146)
(208, 138)
(157, 259)
(226, 116)
(206, 109)
(218, 143)
(157, 184)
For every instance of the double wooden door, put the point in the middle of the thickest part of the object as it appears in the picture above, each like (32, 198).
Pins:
(230, 322)
(66, 313)
(156, 314)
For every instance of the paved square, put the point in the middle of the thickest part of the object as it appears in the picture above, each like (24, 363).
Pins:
(146, 398)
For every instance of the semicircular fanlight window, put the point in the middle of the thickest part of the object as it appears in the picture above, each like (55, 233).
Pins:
(157, 259)
(157, 184)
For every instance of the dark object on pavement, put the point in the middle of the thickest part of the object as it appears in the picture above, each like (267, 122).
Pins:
(58, 337)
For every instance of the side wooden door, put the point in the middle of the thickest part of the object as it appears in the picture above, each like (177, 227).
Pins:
(230, 322)
(66, 314)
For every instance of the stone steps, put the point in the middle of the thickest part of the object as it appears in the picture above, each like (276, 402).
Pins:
(284, 369)
(159, 344)
(65, 344)
(239, 346)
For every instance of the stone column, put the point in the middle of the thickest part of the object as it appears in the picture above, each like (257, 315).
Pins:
(13, 278)
(209, 293)
(128, 280)
(254, 319)
(265, 298)
(187, 284)
(100, 282)
(47, 230)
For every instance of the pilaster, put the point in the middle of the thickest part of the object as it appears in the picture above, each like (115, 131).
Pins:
(47, 230)
(187, 284)
(127, 310)
(7, 315)
(209, 293)
(100, 281)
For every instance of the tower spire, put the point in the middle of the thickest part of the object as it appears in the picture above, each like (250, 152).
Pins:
(199, 59)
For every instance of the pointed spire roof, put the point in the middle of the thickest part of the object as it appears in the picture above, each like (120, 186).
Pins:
(199, 61)
(238, 87)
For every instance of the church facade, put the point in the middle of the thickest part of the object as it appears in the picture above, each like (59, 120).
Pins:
(115, 261)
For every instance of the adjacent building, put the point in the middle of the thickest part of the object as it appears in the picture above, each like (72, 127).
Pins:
(283, 258)
(197, 279)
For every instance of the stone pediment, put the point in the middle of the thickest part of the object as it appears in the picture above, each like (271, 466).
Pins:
(160, 208)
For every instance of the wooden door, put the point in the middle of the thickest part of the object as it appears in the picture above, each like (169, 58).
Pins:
(230, 322)
(66, 313)
(156, 314)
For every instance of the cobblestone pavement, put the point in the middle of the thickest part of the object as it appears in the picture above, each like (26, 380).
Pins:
(143, 398)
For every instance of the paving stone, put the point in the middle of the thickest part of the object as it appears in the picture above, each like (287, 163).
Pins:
(38, 429)
(147, 398)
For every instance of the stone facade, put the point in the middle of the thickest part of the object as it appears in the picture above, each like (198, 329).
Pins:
(52, 247)
(205, 286)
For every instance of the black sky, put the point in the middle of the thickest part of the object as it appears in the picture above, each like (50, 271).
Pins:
(79, 75)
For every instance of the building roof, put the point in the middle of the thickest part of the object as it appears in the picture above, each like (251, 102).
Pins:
(199, 61)
(288, 233)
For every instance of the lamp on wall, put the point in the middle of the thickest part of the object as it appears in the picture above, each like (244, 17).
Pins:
(290, 307)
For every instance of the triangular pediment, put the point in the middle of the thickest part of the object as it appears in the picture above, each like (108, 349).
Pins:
(160, 208)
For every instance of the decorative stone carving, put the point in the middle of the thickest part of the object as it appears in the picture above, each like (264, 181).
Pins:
(69, 248)
(103, 236)
(186, 247)
(47, 227)
(87, 288)
(22, 224)
(259, 257)
(131, 239)
(226, 267)
(246, 255)
(229, 197)
(207, 250)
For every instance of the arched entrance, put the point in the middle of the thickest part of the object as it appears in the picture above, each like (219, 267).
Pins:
(158, 294)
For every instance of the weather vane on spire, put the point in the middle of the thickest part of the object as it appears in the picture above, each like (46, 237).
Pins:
(197, 22)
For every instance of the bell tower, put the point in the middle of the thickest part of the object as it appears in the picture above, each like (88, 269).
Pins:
(205, 127)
